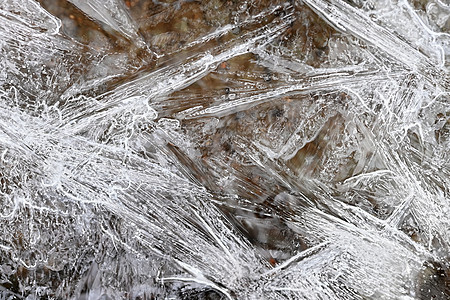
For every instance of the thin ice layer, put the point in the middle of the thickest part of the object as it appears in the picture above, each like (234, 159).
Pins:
(273, 156)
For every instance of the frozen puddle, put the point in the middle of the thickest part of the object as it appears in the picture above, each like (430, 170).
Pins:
(224, 149)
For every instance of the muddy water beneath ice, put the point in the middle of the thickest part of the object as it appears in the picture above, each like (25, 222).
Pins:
(224, 149)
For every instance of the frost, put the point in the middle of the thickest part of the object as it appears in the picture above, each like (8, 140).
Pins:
(224, 149)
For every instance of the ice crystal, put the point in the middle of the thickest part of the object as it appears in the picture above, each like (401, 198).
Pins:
(224, 149)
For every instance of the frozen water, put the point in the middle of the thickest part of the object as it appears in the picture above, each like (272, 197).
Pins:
(224, 149)
(112, 15)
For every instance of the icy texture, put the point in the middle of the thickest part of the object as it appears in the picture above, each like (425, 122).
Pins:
(224, 149)
(113, 15)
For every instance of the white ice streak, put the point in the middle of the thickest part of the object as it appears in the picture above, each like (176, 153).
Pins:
(349, 19)
(114, 15)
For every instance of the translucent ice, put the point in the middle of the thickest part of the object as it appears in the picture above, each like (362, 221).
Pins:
(114, 15)
(224, 149)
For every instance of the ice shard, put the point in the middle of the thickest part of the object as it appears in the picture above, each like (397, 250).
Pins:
(114, 16)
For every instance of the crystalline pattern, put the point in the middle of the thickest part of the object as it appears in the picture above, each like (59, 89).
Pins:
(224, 149)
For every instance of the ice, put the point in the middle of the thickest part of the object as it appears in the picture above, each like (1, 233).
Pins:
(114, 15)
(224, 149)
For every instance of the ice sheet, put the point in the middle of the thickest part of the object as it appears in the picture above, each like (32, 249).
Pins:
(224, 149)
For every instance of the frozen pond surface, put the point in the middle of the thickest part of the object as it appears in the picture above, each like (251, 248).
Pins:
(224, 149)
